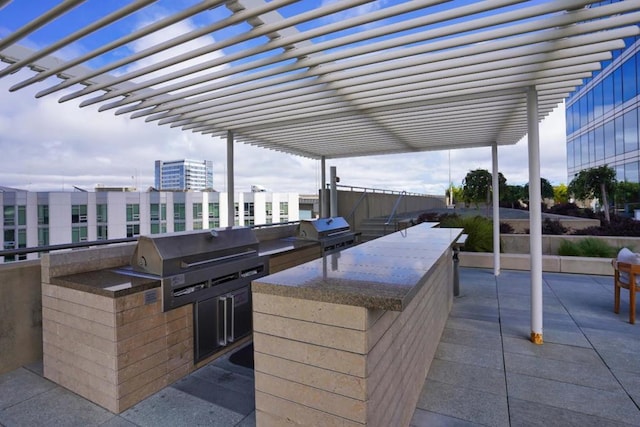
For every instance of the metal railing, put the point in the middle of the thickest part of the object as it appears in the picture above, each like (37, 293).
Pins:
(48, 248)
(355, 207)
(378, 190)
(395, 208)
(85, 244)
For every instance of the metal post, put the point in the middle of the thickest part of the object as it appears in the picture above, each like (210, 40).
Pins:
(333, 197)
(323, 189)
(231, 211)
(496, 209)
(456, 274)
(535, 216)
(450, 183)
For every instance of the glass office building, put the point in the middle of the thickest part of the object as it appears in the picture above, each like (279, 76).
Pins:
(602, 117)
(184, 175)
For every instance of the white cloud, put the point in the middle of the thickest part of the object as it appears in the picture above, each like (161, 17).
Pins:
(49, 146)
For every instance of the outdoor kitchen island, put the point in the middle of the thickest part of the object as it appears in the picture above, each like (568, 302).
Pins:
(348, 339)
(106, 333)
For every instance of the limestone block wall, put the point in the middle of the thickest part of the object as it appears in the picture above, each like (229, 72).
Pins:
(20, 315)
(114, 352)
(326, 364)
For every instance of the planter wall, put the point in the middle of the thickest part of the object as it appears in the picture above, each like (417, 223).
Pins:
(522, 225)
(550, 263)
(519, 243)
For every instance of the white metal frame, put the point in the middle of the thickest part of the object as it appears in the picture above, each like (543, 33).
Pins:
(382, 81)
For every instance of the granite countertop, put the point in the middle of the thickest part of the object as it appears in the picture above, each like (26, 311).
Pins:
(106, 282)
(381, 274)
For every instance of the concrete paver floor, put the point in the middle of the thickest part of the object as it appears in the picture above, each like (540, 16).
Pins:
(486, 371)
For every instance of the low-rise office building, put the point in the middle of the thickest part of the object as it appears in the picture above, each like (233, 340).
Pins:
(32, 219)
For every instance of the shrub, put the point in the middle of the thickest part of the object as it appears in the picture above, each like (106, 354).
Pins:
(506, 228)
(588, 247)
(553, 226)
(619, 226)
(571, 209)
(568, 248)
(478, 229)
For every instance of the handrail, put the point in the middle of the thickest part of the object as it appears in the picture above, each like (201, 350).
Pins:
(24, 251)
(355, 207)
(379, 190)
(395, 207)
(38, 249)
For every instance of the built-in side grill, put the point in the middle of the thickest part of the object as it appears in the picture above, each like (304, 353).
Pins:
(211, 269)
(333, 234)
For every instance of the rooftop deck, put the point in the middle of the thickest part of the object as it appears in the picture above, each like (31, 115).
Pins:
(486, 371)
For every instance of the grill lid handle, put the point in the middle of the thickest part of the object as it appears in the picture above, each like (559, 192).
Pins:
(185, 264)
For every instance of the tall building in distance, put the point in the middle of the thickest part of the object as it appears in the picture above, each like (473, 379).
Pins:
(184, 175)
(602, 117)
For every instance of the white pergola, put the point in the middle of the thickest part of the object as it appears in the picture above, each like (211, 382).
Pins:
(340, 80)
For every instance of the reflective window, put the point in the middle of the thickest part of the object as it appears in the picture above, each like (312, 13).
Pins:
(607, 93)
(584, 145)
(599, 141)
(619, 135)
(617, 86)
(583, 111)
(631, 172)
(570, 157)
(589, 97)
(598, 108)
(22, 215)
(568, 117)
(630, 131)
(78, 214)
(43, 214)
(628, 79)
(609, 140)
(133, 212)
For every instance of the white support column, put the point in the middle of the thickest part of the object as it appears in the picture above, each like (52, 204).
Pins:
(333, 197)
(496, 209)
(535, 216)
(231, 211)
(323, 190)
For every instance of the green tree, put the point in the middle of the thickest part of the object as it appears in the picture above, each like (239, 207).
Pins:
(560, 193)
(597, 183)
(476, 186)
(627, 192)
(512, 195)
(457, 194)
(546, 189)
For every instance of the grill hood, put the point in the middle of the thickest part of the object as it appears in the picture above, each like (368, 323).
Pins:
(174, 253)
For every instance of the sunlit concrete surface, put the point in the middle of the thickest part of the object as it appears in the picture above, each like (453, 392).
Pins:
(486, 371)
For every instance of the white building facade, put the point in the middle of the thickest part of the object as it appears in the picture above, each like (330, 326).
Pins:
(31, 219)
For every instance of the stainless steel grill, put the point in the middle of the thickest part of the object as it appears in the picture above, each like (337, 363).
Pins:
(213, 270)
(333, 234)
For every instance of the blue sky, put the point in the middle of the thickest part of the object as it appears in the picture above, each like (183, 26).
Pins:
(51, 146)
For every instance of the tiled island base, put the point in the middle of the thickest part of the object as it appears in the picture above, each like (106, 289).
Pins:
(104, 335)
(330, 364)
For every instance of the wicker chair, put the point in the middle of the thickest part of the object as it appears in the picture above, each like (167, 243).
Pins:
(630, 271)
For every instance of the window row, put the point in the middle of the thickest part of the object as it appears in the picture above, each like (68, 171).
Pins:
(15, 215)
(615, 137)
(620, 86)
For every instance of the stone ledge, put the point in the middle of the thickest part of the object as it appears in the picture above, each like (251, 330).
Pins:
(550, 263)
